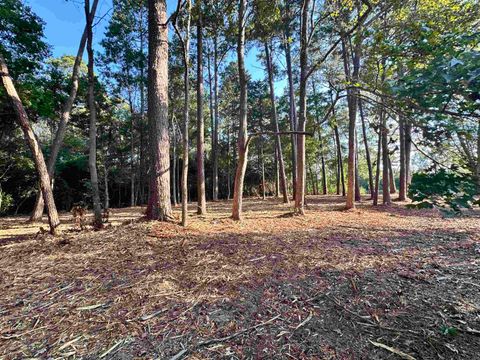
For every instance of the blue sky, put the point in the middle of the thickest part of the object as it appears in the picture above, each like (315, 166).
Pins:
(65, 21)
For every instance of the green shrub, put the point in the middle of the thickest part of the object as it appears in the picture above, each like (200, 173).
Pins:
(446, 190)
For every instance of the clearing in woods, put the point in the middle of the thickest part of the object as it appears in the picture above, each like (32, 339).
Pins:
(374, 283)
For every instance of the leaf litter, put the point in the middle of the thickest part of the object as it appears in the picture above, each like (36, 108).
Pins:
(371, 283)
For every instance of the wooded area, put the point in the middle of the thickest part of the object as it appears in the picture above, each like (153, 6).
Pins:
(241, 179)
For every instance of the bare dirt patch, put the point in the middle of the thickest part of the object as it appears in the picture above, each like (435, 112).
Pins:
(329, 285)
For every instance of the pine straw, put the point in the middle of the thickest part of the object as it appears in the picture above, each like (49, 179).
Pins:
(337, 281)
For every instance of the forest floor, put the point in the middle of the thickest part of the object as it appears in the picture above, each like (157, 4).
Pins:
(333, 284)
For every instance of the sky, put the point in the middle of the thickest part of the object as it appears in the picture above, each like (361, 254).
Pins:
(65, 21)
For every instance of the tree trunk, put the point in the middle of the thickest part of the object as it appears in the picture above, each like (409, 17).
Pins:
(391, 176)
(278, 143)
(341, 174)
(174, 163)
(385, 172)
(215, 129)
(105, 179)
(322, 155)
(377, 174)
(358, 196)
(132, 164)
(408, 151)
(202, 202)
(478, 157)
(159, 206)
(367, 150)
(64, 119)
(242, 144)
(92, 145)
(38, 158)
(402, 193)
(300, 190)
(292, 109)
(277, 175)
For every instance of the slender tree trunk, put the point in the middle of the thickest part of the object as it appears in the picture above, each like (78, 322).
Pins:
(385, 168)
(367, 149)
(202, 202)
(278, 143)
(277, 175)
(229, 175)
(340, 159)
(174, 163)
(64, 119)
(300, 191)
(132, 163)
(324, 171)
(408, 151)
(478, 157)
(92, 154)
(242, 144)
(357, 174)
(391, 176)
(105, 179)
(31, 139)
(292, 109)
(185, 43)
(377, 174)
(215, 130)
(322, 155)
(402, 194)
(352, 115)
(159, 206)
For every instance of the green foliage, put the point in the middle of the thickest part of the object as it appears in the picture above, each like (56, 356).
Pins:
(6, 202)
(21, 34)
(446, 190)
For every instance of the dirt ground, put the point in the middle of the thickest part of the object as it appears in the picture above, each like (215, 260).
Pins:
(374, 283)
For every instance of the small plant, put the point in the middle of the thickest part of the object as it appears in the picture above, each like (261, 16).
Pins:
(445, 190)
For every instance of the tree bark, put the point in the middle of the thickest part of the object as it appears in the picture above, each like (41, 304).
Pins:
(278, 143)
(292, 109)
(185, 44)
(92, 145)
(367, 149)
(377, 173)
(340, 159)
(391, 176)
(64, 119)
(242, 132)
(408, 151)
(159, 206)
(38, 158)
(352, 115)
(174, 163)
(215, 128)
(385, 168)
(322, 155)
(300, 189)
(202, 201)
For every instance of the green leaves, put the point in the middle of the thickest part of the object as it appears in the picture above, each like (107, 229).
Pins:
(443, 189)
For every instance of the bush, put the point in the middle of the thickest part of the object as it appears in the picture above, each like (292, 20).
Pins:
(6, 202)
(444, 189)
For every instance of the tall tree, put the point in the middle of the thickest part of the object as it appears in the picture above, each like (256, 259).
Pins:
(185, 46)
(278, 143)
(159, 206)
(64, 119)
(40, 165)
(92, 144)
(242, 141)
(202, 202)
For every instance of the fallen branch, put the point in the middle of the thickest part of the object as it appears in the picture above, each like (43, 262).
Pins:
(183, 352)
(392, 350)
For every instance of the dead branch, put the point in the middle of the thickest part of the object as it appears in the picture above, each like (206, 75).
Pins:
(183, 352)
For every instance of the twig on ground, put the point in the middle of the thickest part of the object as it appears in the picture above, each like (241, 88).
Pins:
(183, 352)
(392, 350)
